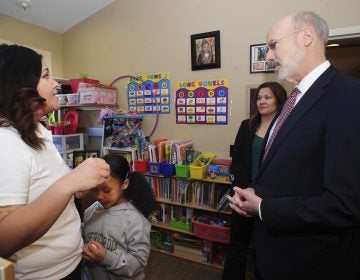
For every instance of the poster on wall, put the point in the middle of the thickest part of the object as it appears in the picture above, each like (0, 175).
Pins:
(149, 93)
(202, 102)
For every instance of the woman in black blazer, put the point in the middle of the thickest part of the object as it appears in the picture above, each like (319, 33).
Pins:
(246, 151)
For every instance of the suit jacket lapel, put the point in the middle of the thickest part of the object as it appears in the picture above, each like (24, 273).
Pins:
(314, 93)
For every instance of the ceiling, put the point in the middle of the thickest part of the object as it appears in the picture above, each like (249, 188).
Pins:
(54, 15)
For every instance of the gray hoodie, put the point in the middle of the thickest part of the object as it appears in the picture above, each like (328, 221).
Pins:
(125, 233)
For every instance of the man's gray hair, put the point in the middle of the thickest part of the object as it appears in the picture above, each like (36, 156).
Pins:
(308, 18)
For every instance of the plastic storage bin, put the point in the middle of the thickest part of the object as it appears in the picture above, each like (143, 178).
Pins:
(141, 166)
(180, 225)
(182, 170)
(154, 167)
(167, 169)
(198, 168)
(211, 232)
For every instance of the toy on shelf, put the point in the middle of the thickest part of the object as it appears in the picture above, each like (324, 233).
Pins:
(68, 125)
(122, 130)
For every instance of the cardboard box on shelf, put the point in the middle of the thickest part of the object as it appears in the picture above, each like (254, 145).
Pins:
(218, 172)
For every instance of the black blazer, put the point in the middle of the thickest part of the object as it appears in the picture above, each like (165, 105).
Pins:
(310, 185)
(241, 227)
(241, 155)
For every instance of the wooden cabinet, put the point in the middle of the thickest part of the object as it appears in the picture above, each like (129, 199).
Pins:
(181, 202)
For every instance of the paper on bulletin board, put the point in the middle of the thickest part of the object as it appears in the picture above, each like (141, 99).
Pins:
(149, 93)
(202, 102)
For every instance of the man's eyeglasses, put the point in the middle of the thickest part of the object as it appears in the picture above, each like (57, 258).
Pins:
(272, 44)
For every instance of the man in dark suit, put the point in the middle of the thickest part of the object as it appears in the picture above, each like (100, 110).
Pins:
(306, 198)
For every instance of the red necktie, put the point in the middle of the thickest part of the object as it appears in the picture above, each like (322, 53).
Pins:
(288, 106)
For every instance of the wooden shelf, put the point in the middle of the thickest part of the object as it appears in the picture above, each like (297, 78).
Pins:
(168, 227)
(92, 106)
(203, 208)
(189, 178)
(171, 184)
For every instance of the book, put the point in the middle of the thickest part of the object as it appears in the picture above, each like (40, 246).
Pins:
(161, 151)
(223, 204)
(181, 148)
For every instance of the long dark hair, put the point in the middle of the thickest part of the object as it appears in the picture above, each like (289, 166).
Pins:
(280, 95)
(139, 191)
(20, 72)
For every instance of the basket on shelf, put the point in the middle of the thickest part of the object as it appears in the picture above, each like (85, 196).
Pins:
(141, 166)
(211, 232)
(198, 168)
(185, 226)
(182, 171)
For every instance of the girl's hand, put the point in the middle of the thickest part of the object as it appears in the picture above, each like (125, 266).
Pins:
(93, 251)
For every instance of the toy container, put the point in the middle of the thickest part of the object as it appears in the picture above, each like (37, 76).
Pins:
(97, 95)
(167, 169)
(74, 83)
(72, 98)
(211, 232)
(184, 226)
(141, 166)
(154, 167)
(198, 168)
(182, 170)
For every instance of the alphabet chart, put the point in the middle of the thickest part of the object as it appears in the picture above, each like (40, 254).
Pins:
(149, 94)
(202, 102)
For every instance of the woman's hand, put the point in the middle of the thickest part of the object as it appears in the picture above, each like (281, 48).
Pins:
(90, 173)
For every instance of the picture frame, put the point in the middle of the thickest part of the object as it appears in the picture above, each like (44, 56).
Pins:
(80, 156)
(205, 50)
(251, 107)
(258, 63)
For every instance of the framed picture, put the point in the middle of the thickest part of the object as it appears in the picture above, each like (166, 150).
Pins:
(205, 50)
(80, 156)
(258, 63)
(251, 100)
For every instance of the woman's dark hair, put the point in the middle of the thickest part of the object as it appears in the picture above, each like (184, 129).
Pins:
(20, 72)
(139, 191)
(280, 95)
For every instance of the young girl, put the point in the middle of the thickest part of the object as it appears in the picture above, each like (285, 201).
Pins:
(206, 55)
(116, 229)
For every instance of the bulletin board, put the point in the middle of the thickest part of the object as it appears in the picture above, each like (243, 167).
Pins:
(202, 102)
(149, 93)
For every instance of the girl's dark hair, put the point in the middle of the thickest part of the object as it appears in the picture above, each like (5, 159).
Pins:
(280, 95)
(139, 191)
(20, 72)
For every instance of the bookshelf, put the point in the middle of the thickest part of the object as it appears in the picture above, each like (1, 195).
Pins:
(180, 200)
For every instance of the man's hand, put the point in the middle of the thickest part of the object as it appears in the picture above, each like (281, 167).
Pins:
(245, 202)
